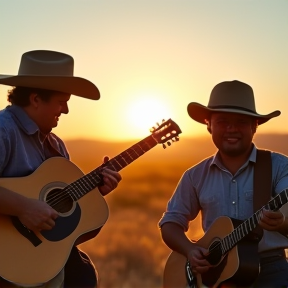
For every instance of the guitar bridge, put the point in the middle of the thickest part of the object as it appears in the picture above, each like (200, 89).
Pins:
(191, 279)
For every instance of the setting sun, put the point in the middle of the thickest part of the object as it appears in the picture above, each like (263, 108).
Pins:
(145, 111)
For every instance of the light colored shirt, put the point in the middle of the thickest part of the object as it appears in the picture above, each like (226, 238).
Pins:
(210, 188)
(22, 150)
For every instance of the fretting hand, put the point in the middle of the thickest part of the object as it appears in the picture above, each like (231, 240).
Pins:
(272, 220)
(110, 178)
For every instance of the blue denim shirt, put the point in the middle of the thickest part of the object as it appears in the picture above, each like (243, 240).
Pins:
(22, 151)
(21, 148)
(211, 188)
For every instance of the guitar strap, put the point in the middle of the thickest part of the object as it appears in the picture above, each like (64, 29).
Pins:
(262, 179)
(262, 183)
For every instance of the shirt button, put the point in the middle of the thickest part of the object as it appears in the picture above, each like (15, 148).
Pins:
(233, 202)
(233, 180)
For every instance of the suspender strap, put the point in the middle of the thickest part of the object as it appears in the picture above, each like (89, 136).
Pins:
(262, 179)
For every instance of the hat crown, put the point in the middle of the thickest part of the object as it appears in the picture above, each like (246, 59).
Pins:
(44, 62)
(232, 94)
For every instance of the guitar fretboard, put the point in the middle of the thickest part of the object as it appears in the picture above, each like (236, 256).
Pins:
(88, 182)
(228, 242)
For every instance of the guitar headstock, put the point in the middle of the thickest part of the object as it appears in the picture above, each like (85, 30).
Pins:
(167, 130)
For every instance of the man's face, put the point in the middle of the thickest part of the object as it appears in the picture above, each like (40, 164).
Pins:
(232, 133)
(48, 113)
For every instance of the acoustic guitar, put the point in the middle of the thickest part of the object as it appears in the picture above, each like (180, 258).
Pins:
(30, 258)
(232, 250)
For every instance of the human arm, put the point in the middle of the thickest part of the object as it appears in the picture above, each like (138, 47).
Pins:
(36, 215)
(274, 221)
(174, 237)
(111, 179)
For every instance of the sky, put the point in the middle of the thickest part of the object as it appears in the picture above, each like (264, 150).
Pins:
(151, 58)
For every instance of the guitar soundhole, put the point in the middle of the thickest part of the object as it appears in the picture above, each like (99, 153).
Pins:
(215, 253)
(59, 200)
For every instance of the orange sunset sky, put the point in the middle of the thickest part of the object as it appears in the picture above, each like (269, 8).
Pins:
(150, 58)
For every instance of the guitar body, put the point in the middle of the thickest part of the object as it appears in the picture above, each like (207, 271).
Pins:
(240, 265)
(36, 260)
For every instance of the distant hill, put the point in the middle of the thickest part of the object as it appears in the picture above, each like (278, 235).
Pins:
(88, 154)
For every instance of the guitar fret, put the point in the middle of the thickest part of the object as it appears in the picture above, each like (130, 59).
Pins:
(86, 185)
(122, 161)
(125, 159)
(71, 193)
(79, 188)
(141, 149)
(255, 222)
(130, 155)
(232, 240)
(281, 201)
(226, 243)
(238, 233)
(75, 191)
(250, 226)
(135, 152)
(90, 180)
(113, 164)
(148, 145)
(236, 236)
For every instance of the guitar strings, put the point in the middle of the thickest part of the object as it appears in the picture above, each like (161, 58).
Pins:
(68, 192)
(54, 200)
(272, 205)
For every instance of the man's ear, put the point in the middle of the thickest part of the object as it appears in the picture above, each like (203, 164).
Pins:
(208, 127)
(254, 127)
(34, 99)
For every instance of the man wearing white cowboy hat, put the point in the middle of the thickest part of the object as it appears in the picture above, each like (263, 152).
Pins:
(41, 91)
(222, 185)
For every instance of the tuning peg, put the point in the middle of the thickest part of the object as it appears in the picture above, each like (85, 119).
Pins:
(152, 129)
(169, 143)
(164, 146)
(163, 120)
(157, 124)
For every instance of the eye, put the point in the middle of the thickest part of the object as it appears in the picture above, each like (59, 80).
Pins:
(221, 122)
(243, 122)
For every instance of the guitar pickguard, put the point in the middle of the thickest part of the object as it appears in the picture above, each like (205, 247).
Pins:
(64, 226)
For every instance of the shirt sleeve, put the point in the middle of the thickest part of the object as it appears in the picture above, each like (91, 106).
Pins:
(183, 205)
(280, 176)
(5, 149)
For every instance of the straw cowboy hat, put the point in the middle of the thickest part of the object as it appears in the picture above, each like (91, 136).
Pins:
(230, 96)
(50, 70)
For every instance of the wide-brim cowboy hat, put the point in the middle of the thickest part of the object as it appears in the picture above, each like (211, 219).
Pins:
(50, 70)
(230, 96)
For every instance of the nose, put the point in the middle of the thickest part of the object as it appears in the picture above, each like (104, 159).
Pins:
(65, 109)
(231, 126)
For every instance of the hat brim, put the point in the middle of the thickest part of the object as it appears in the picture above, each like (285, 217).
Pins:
(66, 84)
(199, 113)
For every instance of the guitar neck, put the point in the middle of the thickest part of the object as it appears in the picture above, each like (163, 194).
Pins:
(228, 242)
(88, 182)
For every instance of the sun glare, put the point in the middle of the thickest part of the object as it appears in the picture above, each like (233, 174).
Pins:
(145, 112)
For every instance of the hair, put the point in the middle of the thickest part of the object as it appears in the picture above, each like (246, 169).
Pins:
(20, 95)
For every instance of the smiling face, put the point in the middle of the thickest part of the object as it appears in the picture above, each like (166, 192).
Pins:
(232, 133)
(46, 113)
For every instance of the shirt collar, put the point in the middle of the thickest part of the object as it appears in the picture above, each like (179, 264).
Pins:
(23, 120)
(252, 158)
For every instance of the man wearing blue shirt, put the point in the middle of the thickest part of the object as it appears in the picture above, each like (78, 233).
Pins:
(222, 185)
(40, 95)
